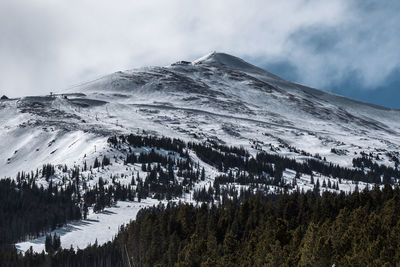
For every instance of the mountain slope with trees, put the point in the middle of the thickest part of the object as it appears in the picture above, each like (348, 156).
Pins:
(298, 229)
(241, 155)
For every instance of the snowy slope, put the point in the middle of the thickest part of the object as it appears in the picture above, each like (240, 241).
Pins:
(219, 96)
(100, 227)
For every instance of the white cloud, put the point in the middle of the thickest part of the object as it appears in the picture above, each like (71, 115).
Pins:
(48, 45)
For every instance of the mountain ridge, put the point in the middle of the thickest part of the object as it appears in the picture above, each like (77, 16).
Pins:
(224, 60)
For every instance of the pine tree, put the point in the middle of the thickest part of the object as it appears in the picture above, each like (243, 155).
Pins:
(203, 174)
(48, 245)
(85, 211)
(96, 163)
(56, 242)
(316, 187)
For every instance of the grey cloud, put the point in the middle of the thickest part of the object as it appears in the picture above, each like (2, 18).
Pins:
(365, 42)
(49, 45)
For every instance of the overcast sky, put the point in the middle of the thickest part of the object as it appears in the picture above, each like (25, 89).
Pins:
(351, 47)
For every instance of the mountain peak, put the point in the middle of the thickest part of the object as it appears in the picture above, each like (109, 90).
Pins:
(229, 61)
(217, 58)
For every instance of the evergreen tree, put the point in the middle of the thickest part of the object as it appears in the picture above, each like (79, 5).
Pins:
(96, 163)
(203, 174)
(48, 244)
(56, 242)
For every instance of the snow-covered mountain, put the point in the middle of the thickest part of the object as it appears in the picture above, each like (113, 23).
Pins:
(218, 97)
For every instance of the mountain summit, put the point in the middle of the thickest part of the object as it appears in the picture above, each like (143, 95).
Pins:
(223, 59)
(232, 62)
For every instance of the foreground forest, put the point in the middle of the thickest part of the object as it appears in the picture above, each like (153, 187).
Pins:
(298, 229)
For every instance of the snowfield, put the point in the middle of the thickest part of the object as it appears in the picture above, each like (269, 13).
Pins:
(100, 227)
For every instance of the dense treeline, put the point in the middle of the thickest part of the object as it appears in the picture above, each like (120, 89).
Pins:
(230, 149)
(292, 230)
(376, 170)
(27, 210)
(149, 141)
(110, 254)
(300, 229)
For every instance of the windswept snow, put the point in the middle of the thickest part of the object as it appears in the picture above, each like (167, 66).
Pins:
(219, 97)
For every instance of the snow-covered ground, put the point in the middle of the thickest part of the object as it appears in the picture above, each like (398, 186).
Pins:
(217, 97)
(101, 226)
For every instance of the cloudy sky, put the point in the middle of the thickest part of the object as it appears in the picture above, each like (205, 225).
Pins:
(350, 47)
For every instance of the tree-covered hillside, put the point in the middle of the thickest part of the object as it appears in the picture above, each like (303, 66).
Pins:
(298, 229)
